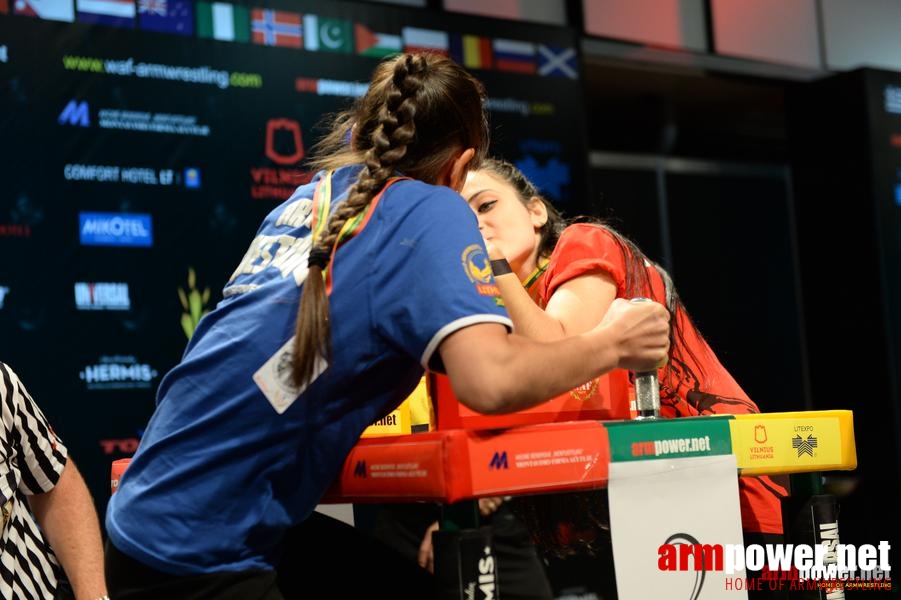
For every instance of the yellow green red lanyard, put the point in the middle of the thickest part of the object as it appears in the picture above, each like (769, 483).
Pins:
(322, 198)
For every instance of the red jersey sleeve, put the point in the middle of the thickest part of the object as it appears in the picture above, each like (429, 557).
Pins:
(582, 249)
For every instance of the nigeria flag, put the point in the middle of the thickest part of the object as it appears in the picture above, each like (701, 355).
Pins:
(223, 21)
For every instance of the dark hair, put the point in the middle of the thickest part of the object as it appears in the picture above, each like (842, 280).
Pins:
(638, 280)
(419, 113)
(526, 190)
(578, 522)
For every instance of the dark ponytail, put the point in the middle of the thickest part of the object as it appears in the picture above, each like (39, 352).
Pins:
(419, 113)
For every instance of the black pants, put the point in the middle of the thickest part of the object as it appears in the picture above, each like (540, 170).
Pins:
(128, 579)
(520, 571)
(325, 553)
(320, 553)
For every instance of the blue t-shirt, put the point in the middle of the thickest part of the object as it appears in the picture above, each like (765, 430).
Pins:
(229, 459)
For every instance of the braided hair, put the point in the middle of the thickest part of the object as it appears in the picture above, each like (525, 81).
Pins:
(419, 113)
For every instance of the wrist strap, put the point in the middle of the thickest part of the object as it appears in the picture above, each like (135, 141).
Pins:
(500, 266)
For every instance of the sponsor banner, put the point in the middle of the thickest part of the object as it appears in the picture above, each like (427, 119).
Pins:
(102, 296)
(118, 373)
(189, 177)
(794, 442)
(129, 67)
(115, 229)
(669, 438)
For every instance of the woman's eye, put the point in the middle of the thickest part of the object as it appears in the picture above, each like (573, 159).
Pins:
(486, 206)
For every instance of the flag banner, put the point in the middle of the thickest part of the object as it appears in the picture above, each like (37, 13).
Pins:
(223, 21)
(166, 16)
(425, 40)
(511, 55)
(557, 62)
(472, 51)
(378, 45)
(53, 10)
(276, 28)
(116, 13)
(327, 35)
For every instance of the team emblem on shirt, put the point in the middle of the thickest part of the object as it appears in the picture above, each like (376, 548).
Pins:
(478, 269)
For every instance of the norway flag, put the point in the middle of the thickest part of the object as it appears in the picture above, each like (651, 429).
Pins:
(276, 28)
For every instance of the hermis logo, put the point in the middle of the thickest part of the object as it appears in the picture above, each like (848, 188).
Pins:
(498, 461)
(115, 229)
(360, 469)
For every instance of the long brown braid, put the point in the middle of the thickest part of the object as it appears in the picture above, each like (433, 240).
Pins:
(419, 113)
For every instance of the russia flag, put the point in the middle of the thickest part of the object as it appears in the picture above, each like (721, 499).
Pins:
(510, 55)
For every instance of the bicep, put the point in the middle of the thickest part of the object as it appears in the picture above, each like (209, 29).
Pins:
(581, 303)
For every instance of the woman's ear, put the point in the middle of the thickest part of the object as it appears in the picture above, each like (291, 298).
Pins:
(537, 212)
(458, 169)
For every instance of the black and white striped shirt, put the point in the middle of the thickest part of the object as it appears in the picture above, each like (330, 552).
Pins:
(32, 458)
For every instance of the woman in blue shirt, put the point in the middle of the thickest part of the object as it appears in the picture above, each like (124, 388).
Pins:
(385, 261)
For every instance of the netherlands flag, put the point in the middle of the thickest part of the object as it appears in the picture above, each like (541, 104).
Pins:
(511, 55)
(425, 40)
(117, 13)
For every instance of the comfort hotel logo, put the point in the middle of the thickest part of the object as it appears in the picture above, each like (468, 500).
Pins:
(115, 229)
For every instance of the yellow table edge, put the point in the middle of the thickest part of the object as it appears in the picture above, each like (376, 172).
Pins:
(794, 442)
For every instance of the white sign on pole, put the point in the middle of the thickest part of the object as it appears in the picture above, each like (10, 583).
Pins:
(681, 502)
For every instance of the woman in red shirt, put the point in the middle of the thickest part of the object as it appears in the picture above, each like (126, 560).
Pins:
(560, 281)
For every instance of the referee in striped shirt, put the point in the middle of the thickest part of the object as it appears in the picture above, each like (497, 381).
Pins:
(50, 531)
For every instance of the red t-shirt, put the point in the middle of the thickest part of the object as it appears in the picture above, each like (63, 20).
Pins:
(694, 383)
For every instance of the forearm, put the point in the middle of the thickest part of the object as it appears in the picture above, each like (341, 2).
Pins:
(68, 518)
(514, 373)
(528, 318)
(492, 371)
